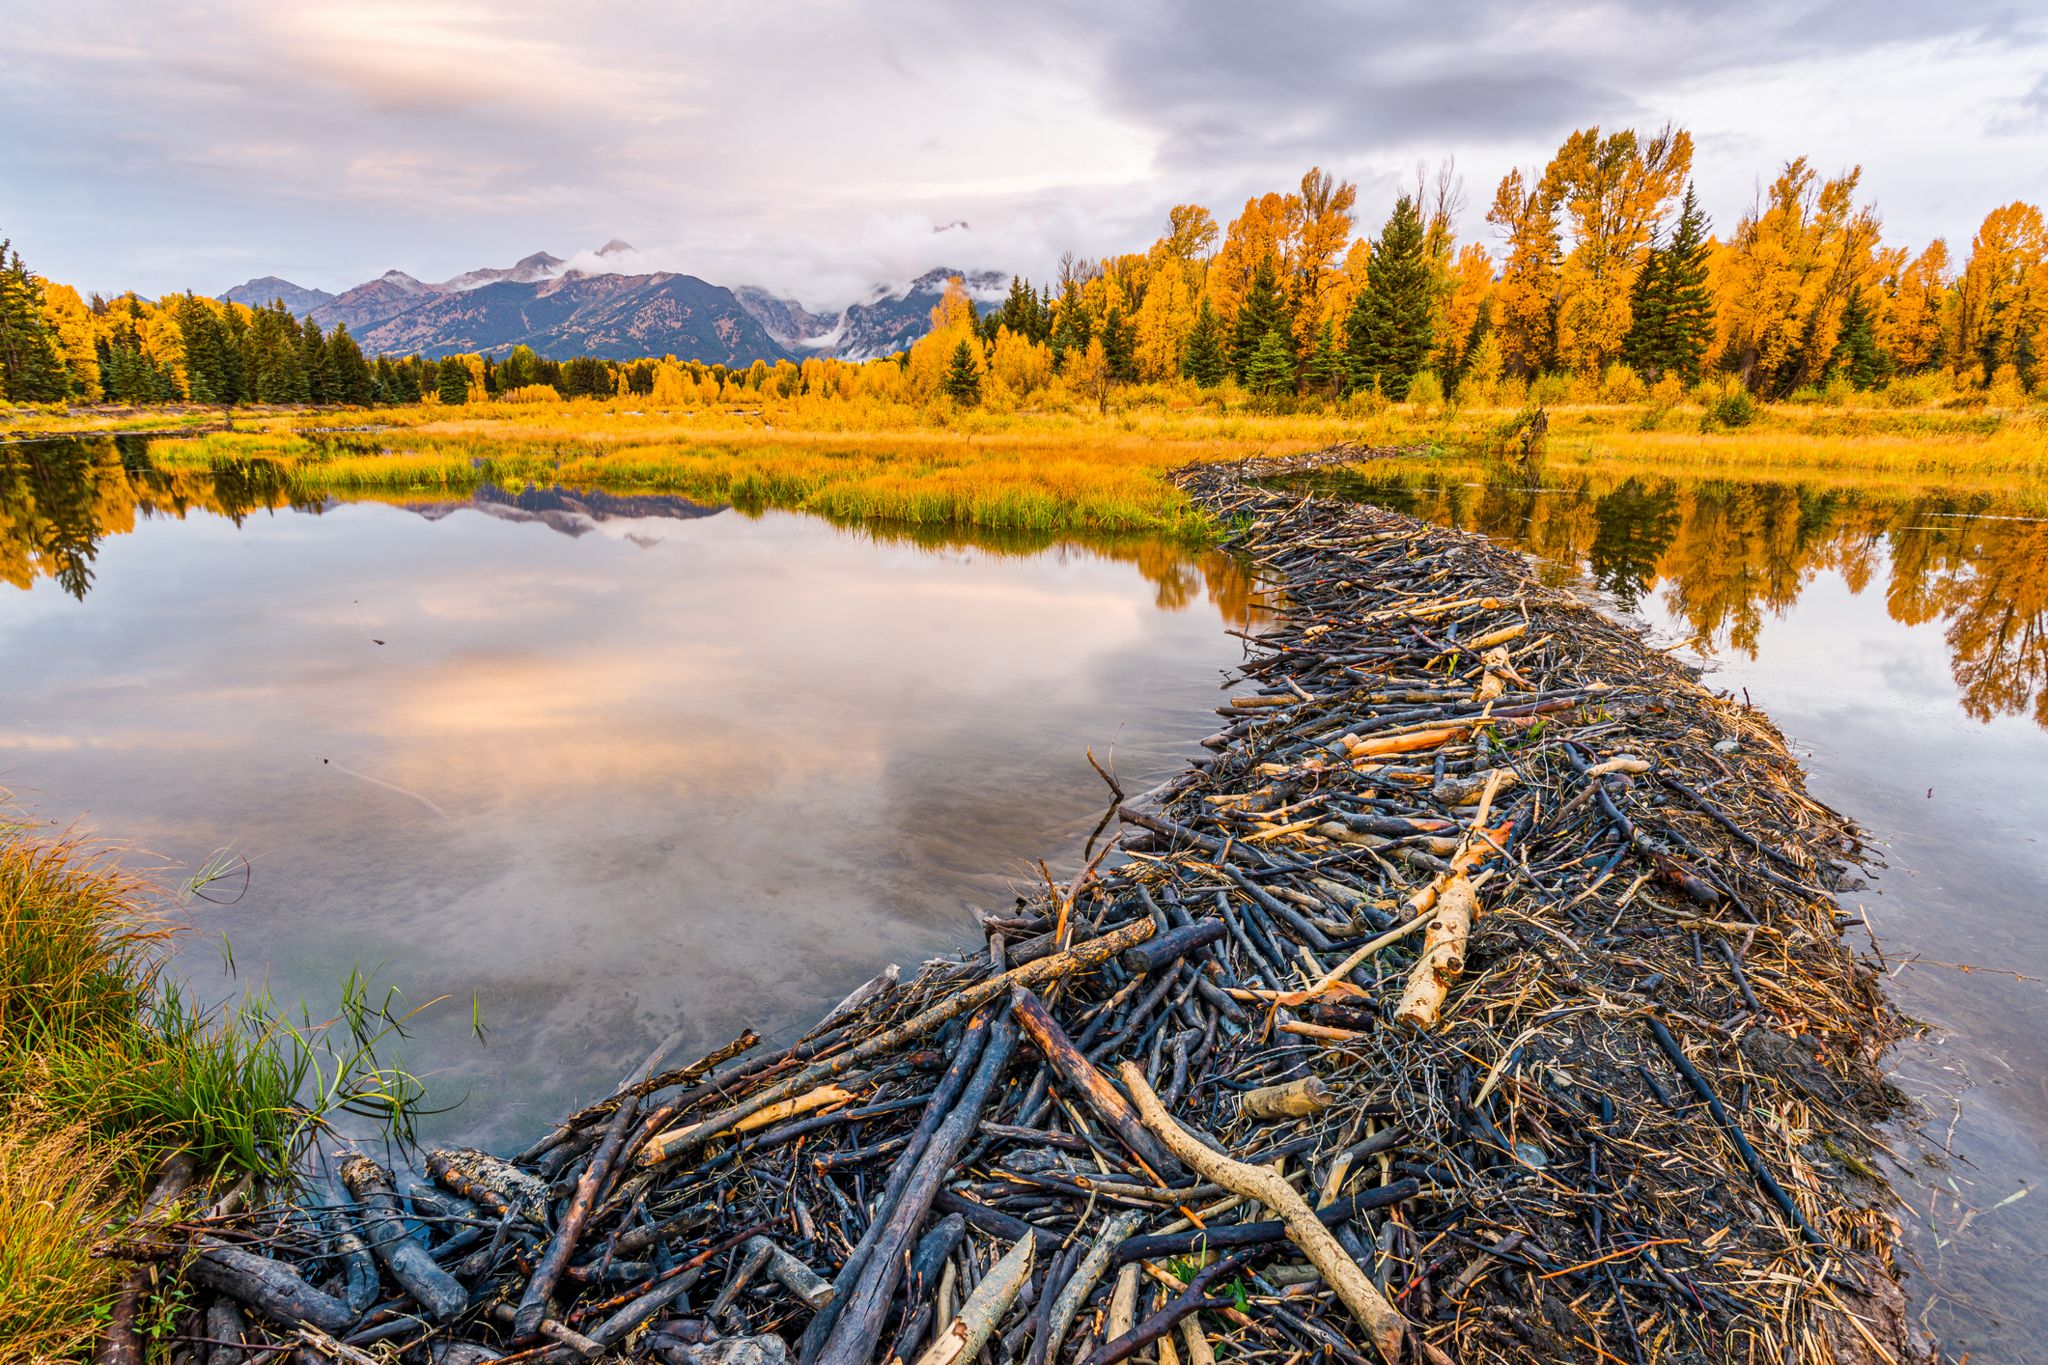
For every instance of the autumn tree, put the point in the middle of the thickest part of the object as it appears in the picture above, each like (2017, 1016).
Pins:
(1387, 336)
(1263, 312)
(2002, 298)
(1320, 223)
(1525, 298)
(1613, 192)
(1912, 328)
(76, 338)
(1671, 307)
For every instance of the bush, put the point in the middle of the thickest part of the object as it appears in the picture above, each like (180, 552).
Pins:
(1621, 384)
(1426, 390)
(1547, 390)
(1732, 406)
(1918, 390)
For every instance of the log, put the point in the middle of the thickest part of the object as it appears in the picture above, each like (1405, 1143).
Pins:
(1382, 1323)
(433, 1288)
(1443, 955)
(1079, 958)
(859, 1325)
(1081, 1078)
(533, 1303)
(489, 1183)
(1171, 946)
(966, 1334)
(1161, 1245)
(1085, 1277)
(270, 1287)
(799, 1279)
(1292, 1100)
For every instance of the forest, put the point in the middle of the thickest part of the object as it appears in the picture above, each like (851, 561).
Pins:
(1605, 280)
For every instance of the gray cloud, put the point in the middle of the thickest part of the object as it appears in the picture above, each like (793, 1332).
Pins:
(815, 150)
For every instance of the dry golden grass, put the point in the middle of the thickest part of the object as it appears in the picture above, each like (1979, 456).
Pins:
(59, 1186)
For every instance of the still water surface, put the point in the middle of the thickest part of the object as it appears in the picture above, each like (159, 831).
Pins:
(1902, 645)
(615, 766)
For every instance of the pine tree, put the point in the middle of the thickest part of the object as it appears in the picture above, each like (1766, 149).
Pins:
(1673, 323)
(1120, 345)
(1072, 328)
(1270, 367)
(1643, 349)
(313, 363)
(1205, 362)
(351, 379)
(1857, 357)
(1388, 333)
(31, 367)
(1263, 311)
(963, 378)
(1326, 371)
(451, 380)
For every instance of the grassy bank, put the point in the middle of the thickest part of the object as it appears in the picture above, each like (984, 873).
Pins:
(106, 1069)
(1077, 468)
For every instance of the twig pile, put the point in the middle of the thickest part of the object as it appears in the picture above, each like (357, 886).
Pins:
(1482, 997)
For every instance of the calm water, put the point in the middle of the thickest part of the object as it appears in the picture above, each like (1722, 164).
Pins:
(1902, 645)
(616, 766)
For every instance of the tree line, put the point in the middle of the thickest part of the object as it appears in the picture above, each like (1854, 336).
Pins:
(1604, 274)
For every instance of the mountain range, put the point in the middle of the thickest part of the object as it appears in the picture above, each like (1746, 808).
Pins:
(539, 301)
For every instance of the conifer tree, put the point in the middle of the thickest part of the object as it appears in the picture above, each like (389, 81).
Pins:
(1388, 333)
(451, 380)
(312, 348)
(1270, 367)
(1263, 310)
(1673, 322)
(1120, 345)
(963, 378)
(1204, 361)
(1072, 328)
(349, 373)
(1857, 357)
(1326, 371)
(31, 367)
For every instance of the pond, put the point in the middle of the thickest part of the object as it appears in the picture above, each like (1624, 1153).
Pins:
(615, 767)
(1902, 645)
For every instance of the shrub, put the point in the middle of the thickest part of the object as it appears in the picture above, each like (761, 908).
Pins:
(1621, 384)
(1547, 390)
(1426, 391)
(1731, 406)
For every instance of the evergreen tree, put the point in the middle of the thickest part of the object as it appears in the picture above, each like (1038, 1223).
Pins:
(963, 378)
(1673, 309)
(1205, 362)
(1327, 369)
(405, 381)
(1857, 356)
(319, 387)
(1120, 345)
(31, 368)
(1388, 333)
(350, 373)
(1263, 311)
(452, 381)
(1270, 367)
(1072, 328)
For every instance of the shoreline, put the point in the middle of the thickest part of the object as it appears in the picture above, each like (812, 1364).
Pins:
(1635, 1122)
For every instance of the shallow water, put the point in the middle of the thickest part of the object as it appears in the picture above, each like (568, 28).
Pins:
(1902, 645)
(613, 766)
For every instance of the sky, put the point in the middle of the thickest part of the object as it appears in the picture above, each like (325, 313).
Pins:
(822, 147)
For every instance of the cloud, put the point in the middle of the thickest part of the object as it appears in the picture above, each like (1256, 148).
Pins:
(816, 154)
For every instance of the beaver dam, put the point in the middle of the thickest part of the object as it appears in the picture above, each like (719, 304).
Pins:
(1480, 997)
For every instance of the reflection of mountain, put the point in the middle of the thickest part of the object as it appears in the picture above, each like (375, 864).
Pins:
(572, 511)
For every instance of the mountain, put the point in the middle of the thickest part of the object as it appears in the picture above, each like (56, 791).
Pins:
(264, 289)
(891, 321)
(560, 311)
(619, 317)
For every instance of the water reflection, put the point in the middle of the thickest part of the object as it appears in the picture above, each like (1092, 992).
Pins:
(1729, 556)
(618, 765)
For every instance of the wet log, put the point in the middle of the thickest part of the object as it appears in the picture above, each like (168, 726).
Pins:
(533, 1303)
(1084, 1081)
(489, 1183)
(1171, 946)
(270, 1287)
(433, 1288)
(799, 1279)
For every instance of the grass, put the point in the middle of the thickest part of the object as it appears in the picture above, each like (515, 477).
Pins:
(1072, 468)
(106, 1068)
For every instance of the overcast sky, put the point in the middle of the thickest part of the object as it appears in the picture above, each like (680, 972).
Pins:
(821, 147)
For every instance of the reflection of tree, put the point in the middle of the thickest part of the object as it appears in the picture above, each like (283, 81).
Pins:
(1731, 555)
(1637, 525)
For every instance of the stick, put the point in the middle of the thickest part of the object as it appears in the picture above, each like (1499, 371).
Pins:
(438, 1292)
(534, 1302)
(968, 1333)
(1381, 1322)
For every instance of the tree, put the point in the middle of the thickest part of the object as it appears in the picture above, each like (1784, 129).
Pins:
(350, 373)
(1525, 300)
(962, 383)
(1204, 361)
(1672, 324)
(1262, 312)
(1270, 367)
(1613, 190)
(2002, 299)
(451, 380)
(31, 369)
(1327, 370)
(1120, 344)
(1387, 337)
(1857, 357)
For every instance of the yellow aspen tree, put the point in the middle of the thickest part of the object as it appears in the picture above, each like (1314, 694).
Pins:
(1165, 320)
(1471, 280)
(1019, 366)
(1322, 222)
(1525, 299)
(1253, 239)
(1916, 316)
(76, 337)
(2000, 300)
(1614, 191)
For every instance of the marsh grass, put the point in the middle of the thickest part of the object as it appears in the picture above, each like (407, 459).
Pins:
(106, 1067)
